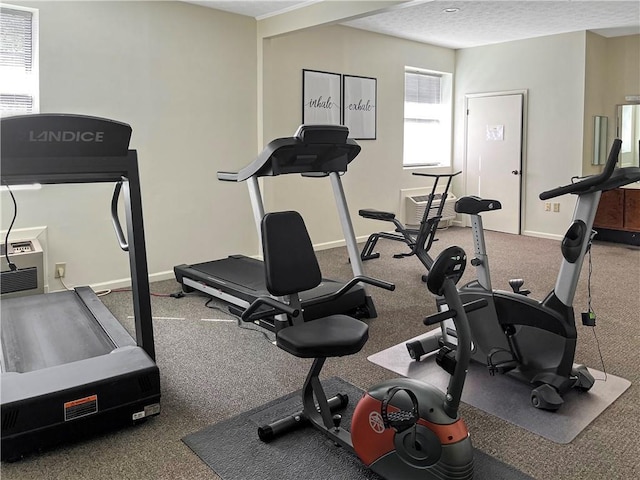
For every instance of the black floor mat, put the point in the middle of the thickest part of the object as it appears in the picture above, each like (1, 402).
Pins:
(232, 449)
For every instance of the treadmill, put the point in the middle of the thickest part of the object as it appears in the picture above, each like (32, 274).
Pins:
(314, 151)
(68, 367)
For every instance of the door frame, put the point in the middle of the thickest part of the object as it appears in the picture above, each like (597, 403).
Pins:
(523, 146)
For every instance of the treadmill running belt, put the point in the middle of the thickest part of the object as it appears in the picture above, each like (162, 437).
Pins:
(244, 271)
(42, 331)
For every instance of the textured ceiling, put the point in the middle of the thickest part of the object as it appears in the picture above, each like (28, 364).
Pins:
(257, 8)
(486, 22)
(476, 22)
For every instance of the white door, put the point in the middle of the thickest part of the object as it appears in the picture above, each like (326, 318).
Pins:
(494, 156)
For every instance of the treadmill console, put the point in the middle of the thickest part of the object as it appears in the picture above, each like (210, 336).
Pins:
(314, 149)
(63, 135)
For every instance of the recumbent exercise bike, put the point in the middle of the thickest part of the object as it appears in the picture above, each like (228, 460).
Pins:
(402, 428)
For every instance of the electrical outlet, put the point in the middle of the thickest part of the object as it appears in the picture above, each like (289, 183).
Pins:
(547, 206)
(61, 269)
(556, 207)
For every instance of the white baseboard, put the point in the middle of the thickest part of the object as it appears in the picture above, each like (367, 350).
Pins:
(550, 236)
(337, 243)
(126, 282)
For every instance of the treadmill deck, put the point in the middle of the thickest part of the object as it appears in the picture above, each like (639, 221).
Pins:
(43, 331)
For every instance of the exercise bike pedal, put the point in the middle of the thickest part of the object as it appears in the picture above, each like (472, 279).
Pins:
(502, 368)
(516, 284)
(415, 350)
(446, 358)
(402, 420)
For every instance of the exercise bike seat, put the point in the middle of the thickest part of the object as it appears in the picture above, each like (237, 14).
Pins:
(332, 336)
(376, 214)
(472, 205)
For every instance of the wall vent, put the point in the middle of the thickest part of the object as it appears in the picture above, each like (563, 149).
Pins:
(28, 278)
(415, 205)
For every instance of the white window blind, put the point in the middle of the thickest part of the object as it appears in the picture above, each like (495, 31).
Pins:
(427, 121)
(18, 61)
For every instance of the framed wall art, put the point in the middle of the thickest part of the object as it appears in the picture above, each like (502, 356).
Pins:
(359, 107)
(321, 97)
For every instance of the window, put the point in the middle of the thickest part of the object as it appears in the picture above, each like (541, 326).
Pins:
(18, 60)
(427, 118)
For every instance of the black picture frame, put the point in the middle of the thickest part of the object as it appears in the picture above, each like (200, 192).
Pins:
(321, 97)
(359, 110)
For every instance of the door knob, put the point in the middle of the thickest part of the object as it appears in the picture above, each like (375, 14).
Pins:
(515, 172)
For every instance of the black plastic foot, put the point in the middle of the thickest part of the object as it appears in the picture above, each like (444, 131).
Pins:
(546, 397)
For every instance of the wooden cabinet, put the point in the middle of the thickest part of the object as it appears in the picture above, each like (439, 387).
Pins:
(631, 209)
(610, 212)
(618, 216)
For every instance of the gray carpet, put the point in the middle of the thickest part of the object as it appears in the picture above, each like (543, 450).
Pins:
(212, 371)
(232, 448)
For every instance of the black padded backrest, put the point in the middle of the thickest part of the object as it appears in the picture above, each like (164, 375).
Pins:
(291, 265)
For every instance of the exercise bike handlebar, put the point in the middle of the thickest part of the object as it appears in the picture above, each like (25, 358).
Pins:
(349, 285)
(281, 307)
(228, 176)
(590, 181)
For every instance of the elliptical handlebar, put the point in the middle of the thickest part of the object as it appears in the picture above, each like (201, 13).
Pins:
(588, 182)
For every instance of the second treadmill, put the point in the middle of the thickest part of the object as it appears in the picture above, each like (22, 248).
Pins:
(314, 151)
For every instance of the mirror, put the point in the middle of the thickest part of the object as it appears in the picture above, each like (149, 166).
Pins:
(629, 133)
(600, 132)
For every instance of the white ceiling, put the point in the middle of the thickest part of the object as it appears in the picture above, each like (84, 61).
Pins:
(476, 22)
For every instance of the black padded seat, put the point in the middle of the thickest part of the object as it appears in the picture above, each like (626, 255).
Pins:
(472, 205)
(332, 336)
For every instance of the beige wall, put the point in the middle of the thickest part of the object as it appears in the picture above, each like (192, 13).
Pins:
(552, 70)
(612, 72)
(376, 176)
(184, 78)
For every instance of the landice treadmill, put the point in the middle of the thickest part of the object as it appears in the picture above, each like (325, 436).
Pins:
(69, 368)
(314, 151)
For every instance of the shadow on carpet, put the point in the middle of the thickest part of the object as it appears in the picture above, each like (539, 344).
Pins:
(233, 451)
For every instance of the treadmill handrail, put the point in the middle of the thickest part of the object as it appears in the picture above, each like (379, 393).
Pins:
(313, 149)
(122, 241)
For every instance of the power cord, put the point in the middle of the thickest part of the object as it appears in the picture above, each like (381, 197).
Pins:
(12, 266)
(239, 321)
(59, 277)
(124, 290)
(589, 317)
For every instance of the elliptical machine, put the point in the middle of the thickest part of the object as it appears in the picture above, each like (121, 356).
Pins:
(533, 341)
(401, 429)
